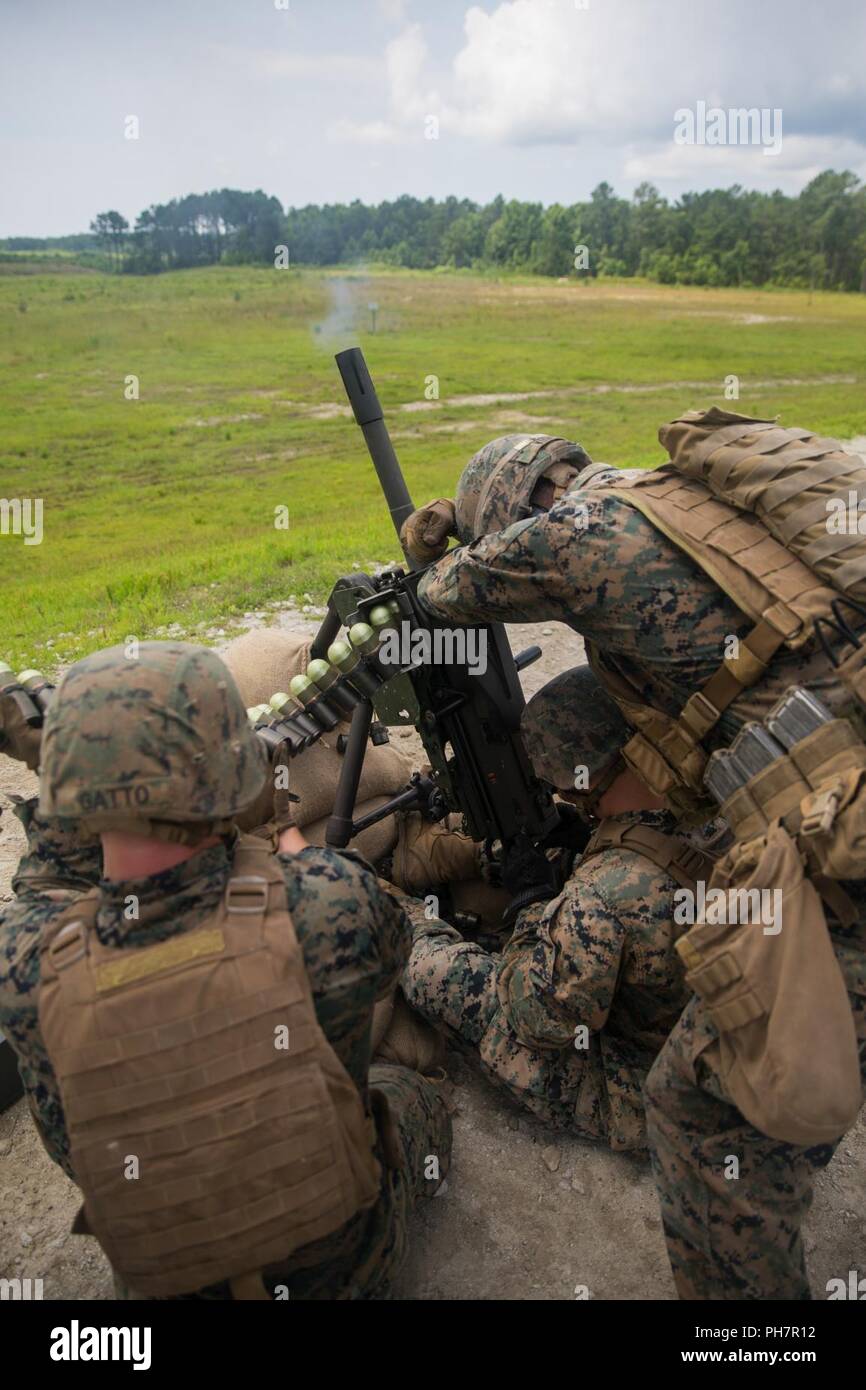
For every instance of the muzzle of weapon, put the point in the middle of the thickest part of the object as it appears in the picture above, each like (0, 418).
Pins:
(350, 663)
(10, 685)
(325, 715)
(336, 690)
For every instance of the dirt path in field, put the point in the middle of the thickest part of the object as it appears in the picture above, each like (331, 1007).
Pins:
(527, 1214)
(337, 410)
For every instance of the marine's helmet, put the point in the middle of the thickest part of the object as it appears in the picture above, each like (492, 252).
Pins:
(572, 723)
(154, 744)
(496, 486)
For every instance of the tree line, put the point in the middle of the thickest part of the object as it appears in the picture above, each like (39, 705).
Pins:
(732, 236)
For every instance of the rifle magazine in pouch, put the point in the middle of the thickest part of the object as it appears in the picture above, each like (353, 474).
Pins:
(774, 792)
(788, 1054)
(832, 828)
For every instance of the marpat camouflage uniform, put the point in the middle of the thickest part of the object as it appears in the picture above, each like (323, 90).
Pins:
(736, 1237)
(600, 957)
(355, 942)
(598, 565)
(58, 856)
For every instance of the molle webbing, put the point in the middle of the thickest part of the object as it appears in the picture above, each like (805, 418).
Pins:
(682, 862)
(792, 480)
(172, 1055)
(768, 583)
(763, 578)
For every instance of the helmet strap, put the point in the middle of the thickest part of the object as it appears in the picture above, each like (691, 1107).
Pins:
(169, 832)
(589, 799)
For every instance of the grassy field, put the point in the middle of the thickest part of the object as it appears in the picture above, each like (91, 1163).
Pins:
(161, 510)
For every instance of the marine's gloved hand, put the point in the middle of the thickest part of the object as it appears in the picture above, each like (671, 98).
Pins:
(425, 533)
(17, 739)
(528, 875)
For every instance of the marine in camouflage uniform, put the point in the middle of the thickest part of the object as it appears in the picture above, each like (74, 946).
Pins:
(597, 564)
(570, 1016)
(353, 935)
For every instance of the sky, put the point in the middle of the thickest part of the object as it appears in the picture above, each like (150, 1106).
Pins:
(331, 100)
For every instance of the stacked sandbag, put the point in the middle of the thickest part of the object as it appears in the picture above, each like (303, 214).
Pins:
(265, 661)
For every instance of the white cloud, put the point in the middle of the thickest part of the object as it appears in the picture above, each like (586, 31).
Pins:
(800, 159)
(406, 58)
(545, 72)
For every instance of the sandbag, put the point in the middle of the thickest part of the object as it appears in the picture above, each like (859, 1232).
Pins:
(265, 661)
(374, 843)
(430, 853)
(787, 1050)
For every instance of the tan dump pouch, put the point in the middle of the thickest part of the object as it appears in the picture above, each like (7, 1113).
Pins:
(213, 1130)
(804, 488)
(787, 1050)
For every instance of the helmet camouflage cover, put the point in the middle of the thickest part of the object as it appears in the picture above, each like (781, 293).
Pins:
(572, 722)
(141, 743)
(497, 483)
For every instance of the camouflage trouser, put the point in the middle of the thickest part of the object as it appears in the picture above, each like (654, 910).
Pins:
(728, 1237)
(361, 1259)
(422, 1127)
(453, 984)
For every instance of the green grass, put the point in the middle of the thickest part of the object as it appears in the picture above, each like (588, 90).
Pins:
(161, 510)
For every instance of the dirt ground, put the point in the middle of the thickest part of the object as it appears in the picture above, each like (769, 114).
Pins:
(527, 1214)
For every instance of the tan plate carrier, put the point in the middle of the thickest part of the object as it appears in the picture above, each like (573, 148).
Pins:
(213, 1129)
